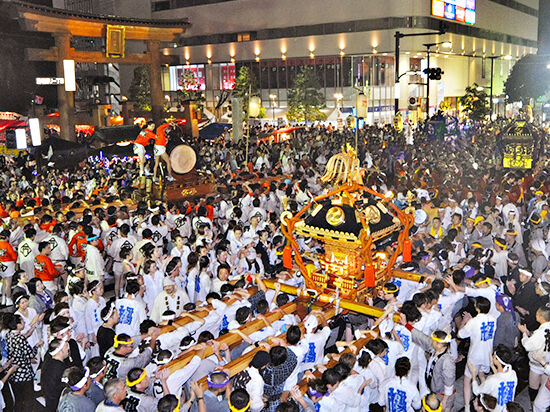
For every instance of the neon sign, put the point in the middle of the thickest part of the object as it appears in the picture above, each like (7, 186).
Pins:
(462, 11)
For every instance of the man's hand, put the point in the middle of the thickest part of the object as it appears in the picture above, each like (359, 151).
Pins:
(466, 317)
(162, 374)
(196, 389)
(295, 393)
(402, 319)
(308, 375)
(522, 328)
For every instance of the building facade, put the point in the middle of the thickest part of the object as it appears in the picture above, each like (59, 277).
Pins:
(351, 45)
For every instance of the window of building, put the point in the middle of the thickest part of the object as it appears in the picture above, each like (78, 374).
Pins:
(243, 37)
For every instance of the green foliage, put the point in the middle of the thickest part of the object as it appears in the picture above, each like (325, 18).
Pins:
(190, 88)
(140, 89)
(305, 99)
(529, 79)
(475, 102)
(262, 113)
(246, 85)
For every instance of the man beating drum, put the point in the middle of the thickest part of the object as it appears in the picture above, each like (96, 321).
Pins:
(160, 149)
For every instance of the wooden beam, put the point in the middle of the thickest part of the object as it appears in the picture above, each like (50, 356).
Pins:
(238, 365)
(32, 21)
(51, 55)
(231, 339)
(358, 344)
(324, 298)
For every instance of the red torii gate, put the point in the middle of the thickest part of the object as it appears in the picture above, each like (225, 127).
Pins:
(63, 24)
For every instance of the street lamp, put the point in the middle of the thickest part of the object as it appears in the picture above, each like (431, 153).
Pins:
(428, 46)
(273, 98)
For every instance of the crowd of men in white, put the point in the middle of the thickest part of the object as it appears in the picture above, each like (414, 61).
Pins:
(85, 352)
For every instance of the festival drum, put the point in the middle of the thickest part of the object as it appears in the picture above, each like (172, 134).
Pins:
(183, 159)
(420, 217)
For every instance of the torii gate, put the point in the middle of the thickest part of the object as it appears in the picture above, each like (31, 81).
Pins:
(63, 24)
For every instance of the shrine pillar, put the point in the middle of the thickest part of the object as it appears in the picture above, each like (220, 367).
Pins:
(65, 100)
(157, 99)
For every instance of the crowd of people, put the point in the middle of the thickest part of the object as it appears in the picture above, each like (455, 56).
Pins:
(92, 284)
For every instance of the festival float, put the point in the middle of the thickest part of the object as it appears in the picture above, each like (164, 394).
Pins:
(519, 144)
(361, 230)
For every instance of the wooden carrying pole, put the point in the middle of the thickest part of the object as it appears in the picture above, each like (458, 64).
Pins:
(231, 339)
(241, 363)
(324, 298)
(358, 344)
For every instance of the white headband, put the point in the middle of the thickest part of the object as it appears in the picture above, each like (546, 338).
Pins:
(63, 331)
(504, 364)
(81, 383)
(544, 292)
(59, 348)
(109, 314)
(95, 375)
(165, 361)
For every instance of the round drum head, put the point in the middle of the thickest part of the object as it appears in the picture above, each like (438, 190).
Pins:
(183, 159)
(420, 217)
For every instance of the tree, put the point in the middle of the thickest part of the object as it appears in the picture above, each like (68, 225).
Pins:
(305, 99)
(246, 85)
(140, 88)
(190, 88)
(529, 79)
(475, 102)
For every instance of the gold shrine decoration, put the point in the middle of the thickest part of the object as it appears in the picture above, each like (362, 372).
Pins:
(116, 41)
(517, 155)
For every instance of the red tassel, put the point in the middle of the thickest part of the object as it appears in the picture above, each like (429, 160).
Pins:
(287, 257)
(369, 275)
(407, 251)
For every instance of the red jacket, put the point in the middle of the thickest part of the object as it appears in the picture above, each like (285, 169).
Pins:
(44, 268)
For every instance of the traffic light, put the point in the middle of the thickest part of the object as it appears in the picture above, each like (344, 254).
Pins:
(434, 73)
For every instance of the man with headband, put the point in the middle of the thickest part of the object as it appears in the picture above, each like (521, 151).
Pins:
(95, 264)
(106, 332)
(216, 398)
(440, 371)
(98, 368)
(118, 357)
(481, 331)
(174, 381)
(506, 331)
(239, 401)
(138, 382)
(53, 368)
(431, 403)
(537, 342)
(73, 398)
(483, 286)
(503, 383)
(525, 299)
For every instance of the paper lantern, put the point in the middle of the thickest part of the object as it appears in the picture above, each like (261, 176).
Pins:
(407, 250)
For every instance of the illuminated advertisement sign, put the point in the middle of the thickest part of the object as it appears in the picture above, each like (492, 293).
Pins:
(462, 11)
(227, 76)
(187, 77)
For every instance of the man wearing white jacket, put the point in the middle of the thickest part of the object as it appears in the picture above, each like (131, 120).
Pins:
(503, 383)
(537, 342)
